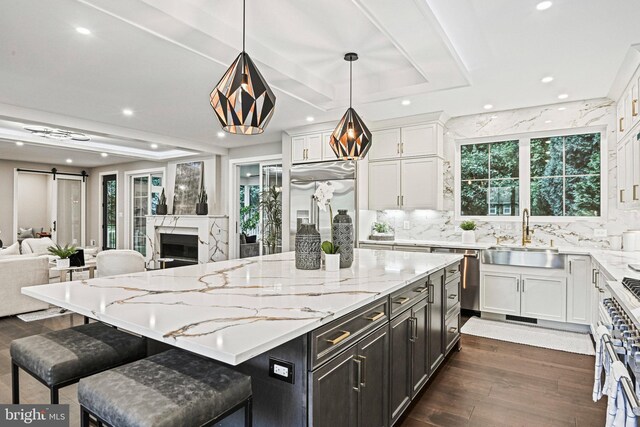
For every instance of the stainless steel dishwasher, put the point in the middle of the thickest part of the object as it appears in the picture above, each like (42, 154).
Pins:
(470, 277)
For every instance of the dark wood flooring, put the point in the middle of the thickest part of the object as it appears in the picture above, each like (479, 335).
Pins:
(488, 383)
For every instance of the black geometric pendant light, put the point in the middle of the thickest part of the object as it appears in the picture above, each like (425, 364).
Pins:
(351, 139)
(242, 100)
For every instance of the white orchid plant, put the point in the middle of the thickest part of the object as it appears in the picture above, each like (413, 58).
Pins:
(323, 196)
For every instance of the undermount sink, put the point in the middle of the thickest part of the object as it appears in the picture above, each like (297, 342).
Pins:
(524, 257)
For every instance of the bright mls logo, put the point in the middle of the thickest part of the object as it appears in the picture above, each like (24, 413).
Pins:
(34, 415)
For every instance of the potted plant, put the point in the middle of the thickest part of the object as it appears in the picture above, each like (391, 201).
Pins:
(381, 231)
(63, 254)
(323, 196)
(271, 205)
(162, 208)
(249, 220)
(202, 208)
(468, 231)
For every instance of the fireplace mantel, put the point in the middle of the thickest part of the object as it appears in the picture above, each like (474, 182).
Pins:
(212, 232)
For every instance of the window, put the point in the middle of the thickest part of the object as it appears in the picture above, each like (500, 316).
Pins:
(565, 175)
(489, 179)
(553, 176)
(145, 196)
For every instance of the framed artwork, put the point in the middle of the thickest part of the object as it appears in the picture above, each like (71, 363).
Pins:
(189, 178)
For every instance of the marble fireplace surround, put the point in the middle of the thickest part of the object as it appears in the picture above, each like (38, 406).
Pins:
(442, 225)
(212, 232)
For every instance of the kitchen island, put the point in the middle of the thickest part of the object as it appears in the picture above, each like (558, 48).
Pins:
(382, 327)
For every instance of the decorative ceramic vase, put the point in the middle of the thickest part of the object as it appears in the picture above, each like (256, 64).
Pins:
(63, 263)
(308, 248)
(468, 236)
(161, 210)
(202, 208)
(332, 262)
(343, 237)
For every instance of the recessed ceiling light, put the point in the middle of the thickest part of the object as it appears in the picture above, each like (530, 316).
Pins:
(84, 31)
(562, 108)
(563, 96)
(104, 154)
(544, 5)
(310, 118)
(487, 106)
(547, 121)
(221, 134)
(406, 102)
(69, 161)
(154, 146)
(547, 79)
(19, 143)
(127, 112)
(494, 117)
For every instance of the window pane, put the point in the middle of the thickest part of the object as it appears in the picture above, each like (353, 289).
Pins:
(473, 198)
(505, 159)
(546, 197)
(546, 156)
(504, 197)
(583, 196)
(582, 153)
(474, 161)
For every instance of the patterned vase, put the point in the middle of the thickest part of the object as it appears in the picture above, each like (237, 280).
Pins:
(308, 247)
(343, 237)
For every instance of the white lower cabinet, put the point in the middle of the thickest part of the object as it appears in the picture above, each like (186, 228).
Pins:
(543, 298)
(579, 290)
(500, 293)
(514, 292)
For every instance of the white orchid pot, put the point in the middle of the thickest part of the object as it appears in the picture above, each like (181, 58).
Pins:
(332, 262)
(468, 236)
(63, 263)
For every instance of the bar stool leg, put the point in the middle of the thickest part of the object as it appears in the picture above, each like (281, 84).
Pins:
(15, 383)
(55, 398)
(84, 417)
(248, 413)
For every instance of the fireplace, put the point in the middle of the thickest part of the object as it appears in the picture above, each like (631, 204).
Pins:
(183, 248)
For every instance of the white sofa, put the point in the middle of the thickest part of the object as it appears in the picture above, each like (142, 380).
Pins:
(36, 246)
(17, 272)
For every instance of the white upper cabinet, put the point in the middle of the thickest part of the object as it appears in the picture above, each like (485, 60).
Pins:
(298, 149)
(384, 185)
(422, 140)
(311, 148)
(422, 184)
(327, 152)
(634, 101)
(385, 144)
(314, 148)
(621, 176)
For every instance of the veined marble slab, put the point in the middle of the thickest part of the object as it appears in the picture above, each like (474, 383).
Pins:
(430, 243)
(234, 310)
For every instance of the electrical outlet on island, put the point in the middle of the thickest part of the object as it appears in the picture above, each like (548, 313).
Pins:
(406, 225)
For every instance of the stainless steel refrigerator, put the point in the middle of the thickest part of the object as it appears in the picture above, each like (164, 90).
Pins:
(304, 182)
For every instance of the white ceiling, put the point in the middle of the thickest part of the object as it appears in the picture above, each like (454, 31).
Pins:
(161, 58)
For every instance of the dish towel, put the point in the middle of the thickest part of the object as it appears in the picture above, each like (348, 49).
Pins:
(619, 413)
(602, 363)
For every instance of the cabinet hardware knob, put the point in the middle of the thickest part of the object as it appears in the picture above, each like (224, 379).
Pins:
(375, 316)
(401, 300)
(344, 335)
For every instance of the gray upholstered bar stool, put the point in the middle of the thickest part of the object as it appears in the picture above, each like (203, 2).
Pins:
(60, 358)
(174, 388)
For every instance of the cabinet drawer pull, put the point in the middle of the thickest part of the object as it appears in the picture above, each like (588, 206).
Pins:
(398, 200)
(413, 329)
(401, 300)
(452, 330)
(358, 375)
(620, 127)
(453, 296)
(431, 293)
(421, 289)
(363, 379)
(634, 107)
(621, 196)
(375, 316)
(635, 191)
(342, 337)
(452, 271)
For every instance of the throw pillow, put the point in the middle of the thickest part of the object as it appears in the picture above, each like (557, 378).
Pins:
(25, 233)
(11, 250)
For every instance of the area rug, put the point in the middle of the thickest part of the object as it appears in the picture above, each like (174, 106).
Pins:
(42, 314)
(536, 336)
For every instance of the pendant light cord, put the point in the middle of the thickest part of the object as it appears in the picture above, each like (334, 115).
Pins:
(243, 24)
(350, 82)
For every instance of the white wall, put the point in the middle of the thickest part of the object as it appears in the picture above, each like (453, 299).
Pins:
(33, 201)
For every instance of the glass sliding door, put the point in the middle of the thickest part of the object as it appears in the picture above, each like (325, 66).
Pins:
(109, 214)
(145, 196)
(69, 221)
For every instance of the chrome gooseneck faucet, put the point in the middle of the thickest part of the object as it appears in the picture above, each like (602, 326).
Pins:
(526, 230)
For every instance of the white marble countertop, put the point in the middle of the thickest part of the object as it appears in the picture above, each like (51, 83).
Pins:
(430, 243)
(234, 310)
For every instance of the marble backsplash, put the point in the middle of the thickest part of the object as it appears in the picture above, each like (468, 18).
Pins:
(441, 225)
